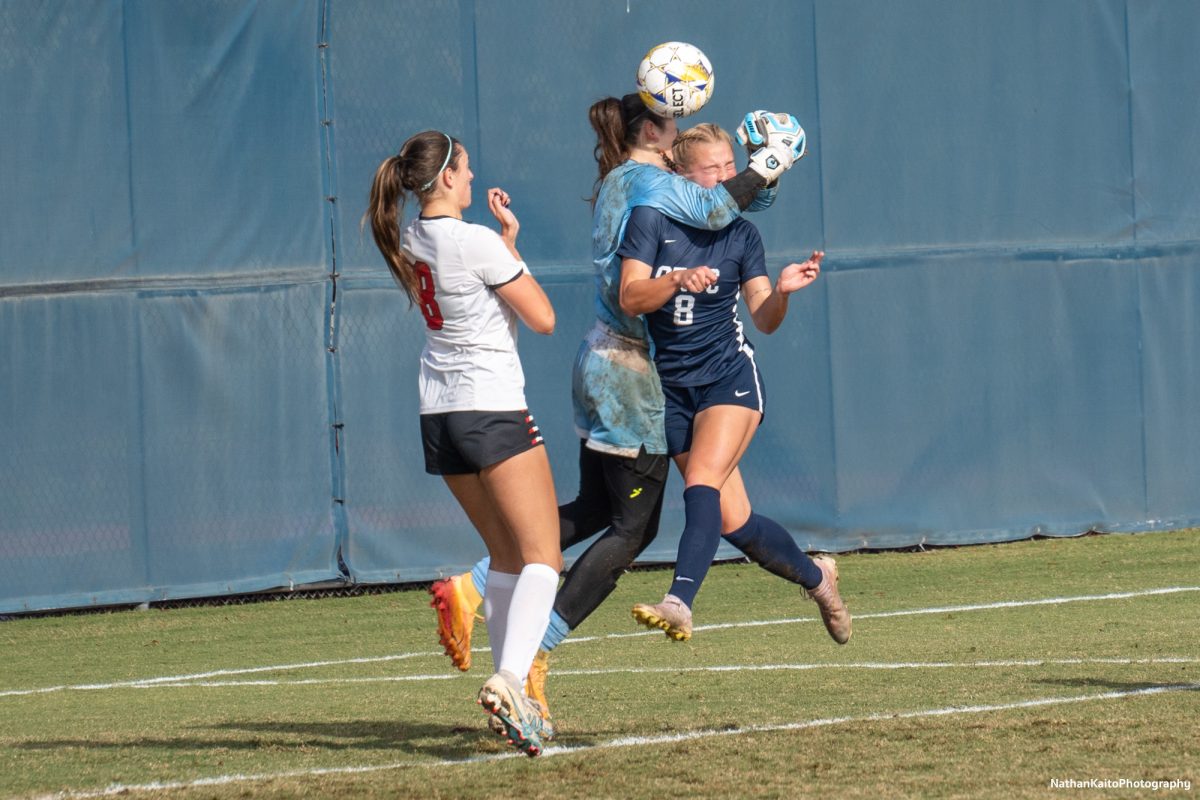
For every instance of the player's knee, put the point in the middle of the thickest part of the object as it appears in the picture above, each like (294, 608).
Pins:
(629, 542)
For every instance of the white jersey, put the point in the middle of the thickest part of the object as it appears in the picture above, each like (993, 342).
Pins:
(470, 360)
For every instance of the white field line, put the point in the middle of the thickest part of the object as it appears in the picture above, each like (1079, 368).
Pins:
(629, 741)
(561, 673)
(1050, 601)
(580, 639)
(88, 687)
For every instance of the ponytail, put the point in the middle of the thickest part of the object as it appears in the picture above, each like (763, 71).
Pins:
(605, 116)
(617, 123)
(385, 210)
(415, 169)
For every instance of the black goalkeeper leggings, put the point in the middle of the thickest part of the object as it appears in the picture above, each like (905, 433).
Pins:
(623, 494)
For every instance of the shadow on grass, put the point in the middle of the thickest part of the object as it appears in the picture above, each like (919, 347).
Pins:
(385, 737)
(1117, 686)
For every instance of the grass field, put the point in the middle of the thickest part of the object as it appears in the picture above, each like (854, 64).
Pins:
(989, 671)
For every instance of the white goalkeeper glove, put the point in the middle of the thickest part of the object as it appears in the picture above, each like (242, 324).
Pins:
(762, 128)
(774, 141)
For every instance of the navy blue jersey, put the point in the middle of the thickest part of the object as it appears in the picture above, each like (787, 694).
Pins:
(697, 338)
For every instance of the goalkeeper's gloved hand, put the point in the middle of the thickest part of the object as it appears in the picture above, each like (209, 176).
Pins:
(774, 142)
(761, 128)
(747, 132)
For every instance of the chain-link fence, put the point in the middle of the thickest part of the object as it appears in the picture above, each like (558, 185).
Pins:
(208, 381)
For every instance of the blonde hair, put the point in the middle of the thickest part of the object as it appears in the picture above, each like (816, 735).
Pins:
(686, 141)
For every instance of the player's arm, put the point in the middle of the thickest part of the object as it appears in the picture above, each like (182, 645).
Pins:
(764, 199)
(711, 209)
(498, 201)
(527, 298)
(683, 201)
(747, 188)
(522, 292)
(641, 294)
(767, 309)
(774, 142)
(768, 306)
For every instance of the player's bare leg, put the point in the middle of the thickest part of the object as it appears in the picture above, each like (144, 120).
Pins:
(720, 436)
(522, 494)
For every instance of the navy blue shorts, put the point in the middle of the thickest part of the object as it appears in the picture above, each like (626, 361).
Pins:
(467, 442)
(741, 388)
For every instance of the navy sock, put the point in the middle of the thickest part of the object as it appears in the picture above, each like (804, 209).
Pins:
(699, 542)
(768, 544)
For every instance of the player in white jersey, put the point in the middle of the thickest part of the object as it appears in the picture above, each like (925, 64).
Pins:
(472, 286)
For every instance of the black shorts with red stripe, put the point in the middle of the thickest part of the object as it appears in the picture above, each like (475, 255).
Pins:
(467, 442)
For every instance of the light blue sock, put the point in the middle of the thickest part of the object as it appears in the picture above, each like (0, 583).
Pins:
(556, 631)
(479, 574)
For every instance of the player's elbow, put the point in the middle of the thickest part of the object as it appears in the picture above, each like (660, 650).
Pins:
(543, 323)
(635, 308)
(766, 326)
(627, 303)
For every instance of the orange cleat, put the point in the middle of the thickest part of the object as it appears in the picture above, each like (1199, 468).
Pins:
(455, 617)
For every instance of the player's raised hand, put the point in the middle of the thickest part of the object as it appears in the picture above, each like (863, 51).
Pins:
(747, 132)
(764, 128)
(694, 280)
(498, 201)
(797, 276)
(774, 141)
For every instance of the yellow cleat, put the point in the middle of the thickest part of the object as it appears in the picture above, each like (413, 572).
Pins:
(671, 615)
(535, 684)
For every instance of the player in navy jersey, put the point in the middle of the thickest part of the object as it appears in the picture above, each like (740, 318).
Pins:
(687, 282)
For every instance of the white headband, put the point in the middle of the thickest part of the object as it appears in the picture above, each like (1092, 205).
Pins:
(449, 150)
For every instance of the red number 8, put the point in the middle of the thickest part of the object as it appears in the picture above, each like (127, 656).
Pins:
(429, 307)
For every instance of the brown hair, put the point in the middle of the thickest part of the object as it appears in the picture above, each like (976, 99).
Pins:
(414, 169)
(685, 141)
(617, 124)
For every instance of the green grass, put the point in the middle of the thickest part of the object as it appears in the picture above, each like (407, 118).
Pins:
(849, 721)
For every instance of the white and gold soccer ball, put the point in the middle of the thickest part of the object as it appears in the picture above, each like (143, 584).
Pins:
(675, 79)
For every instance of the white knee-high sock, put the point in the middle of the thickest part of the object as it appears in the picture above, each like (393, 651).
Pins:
(528, 617)
(497, 601)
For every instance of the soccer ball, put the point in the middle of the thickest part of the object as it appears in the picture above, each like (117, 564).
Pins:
(675, 79)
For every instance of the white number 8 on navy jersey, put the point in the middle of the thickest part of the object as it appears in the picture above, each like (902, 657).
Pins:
(684, 303)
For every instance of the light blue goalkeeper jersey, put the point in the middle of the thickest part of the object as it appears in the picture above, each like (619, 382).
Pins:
(615, 389)
(633, 184)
